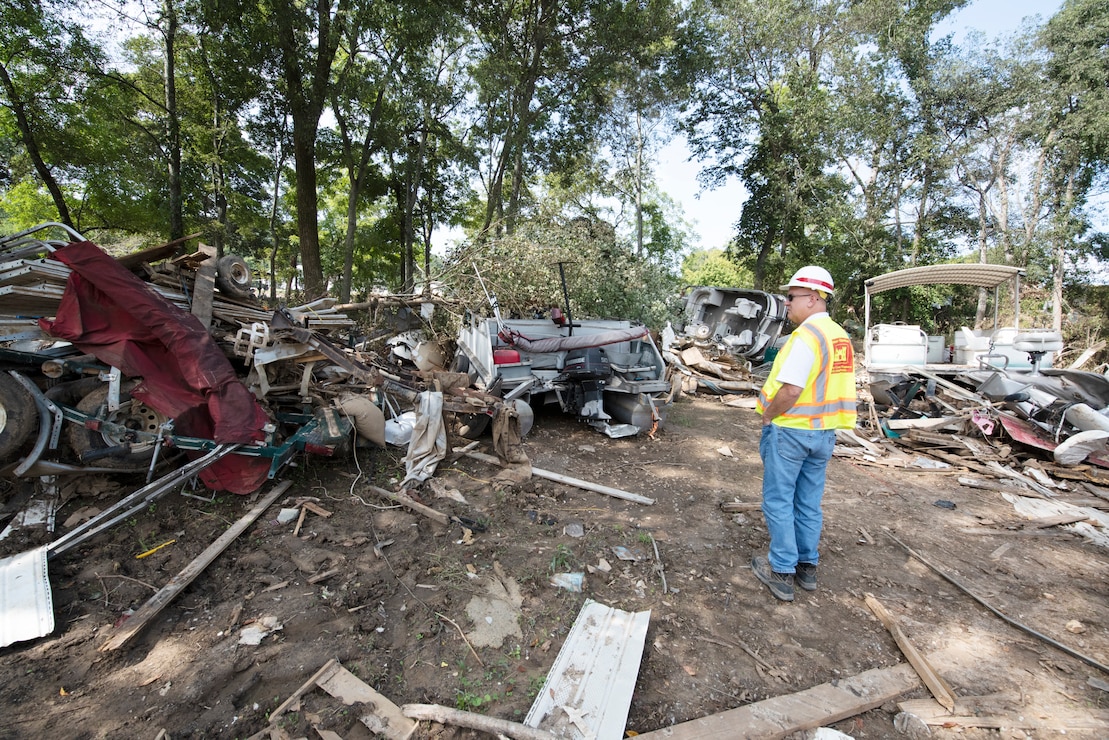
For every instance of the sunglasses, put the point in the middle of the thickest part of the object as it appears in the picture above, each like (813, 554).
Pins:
(794, 296)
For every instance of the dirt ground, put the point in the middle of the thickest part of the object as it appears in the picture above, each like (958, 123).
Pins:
(394, 615)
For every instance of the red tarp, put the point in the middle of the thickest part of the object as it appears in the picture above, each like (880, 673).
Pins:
(108, 312)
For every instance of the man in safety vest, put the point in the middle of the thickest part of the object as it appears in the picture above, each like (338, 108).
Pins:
(809, 394)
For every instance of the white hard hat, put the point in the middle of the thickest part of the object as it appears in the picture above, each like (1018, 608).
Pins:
(813, 278)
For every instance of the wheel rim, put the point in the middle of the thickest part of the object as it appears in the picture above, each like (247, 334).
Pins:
(239, 274)
(135, 416)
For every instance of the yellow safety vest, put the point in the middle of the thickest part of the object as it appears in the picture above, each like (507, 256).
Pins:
(828, 399)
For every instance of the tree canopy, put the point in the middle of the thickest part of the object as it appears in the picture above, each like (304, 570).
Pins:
(333, 142)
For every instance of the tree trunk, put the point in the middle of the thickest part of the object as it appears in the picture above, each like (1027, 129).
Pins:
(304, 154)
(1061, 238)
(29, 141)
(279, 164)
(980, 310)
(173, 124)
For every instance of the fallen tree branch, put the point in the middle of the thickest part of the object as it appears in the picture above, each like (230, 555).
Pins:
(448, 716)
(403, 498)
(463, 634)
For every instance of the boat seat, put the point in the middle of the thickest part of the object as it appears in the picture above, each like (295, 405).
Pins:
(1038, 341)
(1037, 344)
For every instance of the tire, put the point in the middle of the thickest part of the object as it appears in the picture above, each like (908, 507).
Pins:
(131, 413)
(18, 416)
(233, 276)
(472, 426)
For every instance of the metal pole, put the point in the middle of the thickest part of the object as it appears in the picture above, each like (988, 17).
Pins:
(566, 296)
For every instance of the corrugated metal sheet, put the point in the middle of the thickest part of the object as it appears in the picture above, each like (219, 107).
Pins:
(984, 276)
(25, 599)
(589, 688)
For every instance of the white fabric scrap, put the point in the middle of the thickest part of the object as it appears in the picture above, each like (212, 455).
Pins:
(429, 439)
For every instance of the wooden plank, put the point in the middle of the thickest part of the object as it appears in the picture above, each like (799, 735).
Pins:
(970, 714)
(292, 702)
(403, 498)
(993, 485)
(927, 422)
(204, 286)
(179, 582)
(387, 718)
(934, 681)
(1057, 521)
(780, 716)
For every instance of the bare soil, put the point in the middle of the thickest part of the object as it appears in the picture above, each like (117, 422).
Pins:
(395, 614)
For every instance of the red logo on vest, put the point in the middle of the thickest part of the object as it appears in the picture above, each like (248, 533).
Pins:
(843, 357)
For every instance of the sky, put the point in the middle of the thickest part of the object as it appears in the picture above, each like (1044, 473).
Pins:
(712, 213)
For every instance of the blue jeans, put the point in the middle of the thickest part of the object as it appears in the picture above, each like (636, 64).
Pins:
(794, 462)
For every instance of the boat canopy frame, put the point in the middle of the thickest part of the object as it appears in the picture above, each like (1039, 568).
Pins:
(978, 274)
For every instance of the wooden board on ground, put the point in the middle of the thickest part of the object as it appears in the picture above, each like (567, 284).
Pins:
(933, 680)
(386, 720)
(1019, 718)
(179, 582)
(781, 716)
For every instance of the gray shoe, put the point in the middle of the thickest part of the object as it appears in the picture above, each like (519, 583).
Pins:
(805, 577)
(780, 584)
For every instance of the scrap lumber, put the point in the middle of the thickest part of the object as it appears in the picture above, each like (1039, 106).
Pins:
(385, 719)
(989, 485)
(735, 507)
(780, 716)
(204, 286)
(934, 681)
(923, 423)
(492, 725)
(558, 477)
(1008, 472)
(850, 435)
(179, 582)
(1086, 355)
(1019, 718)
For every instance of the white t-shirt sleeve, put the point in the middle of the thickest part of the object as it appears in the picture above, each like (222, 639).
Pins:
(797, 365)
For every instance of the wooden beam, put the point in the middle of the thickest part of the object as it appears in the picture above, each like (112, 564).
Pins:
(204, 286)
(934, 681)
(780, 716)
(180, 581)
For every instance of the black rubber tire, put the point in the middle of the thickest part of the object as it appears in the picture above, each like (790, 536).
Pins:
(131, 413)
(233, 276)
(18, 416)
(472, 426)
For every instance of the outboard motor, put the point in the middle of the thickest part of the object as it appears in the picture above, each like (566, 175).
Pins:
(587, 370)
(587, 364)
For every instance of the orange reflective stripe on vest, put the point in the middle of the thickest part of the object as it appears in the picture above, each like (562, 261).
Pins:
(828, 399)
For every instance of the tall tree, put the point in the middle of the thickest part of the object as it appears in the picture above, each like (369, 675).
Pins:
(761, 112)
(39, 54)
(1079, 68)
(308, 38)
